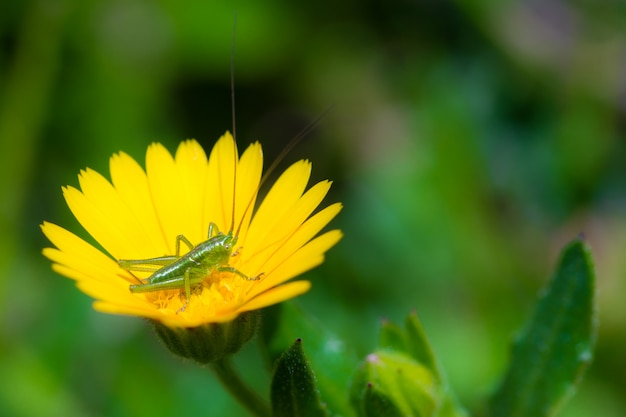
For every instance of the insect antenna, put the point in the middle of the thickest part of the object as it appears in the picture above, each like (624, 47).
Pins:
(296, 139)
(232, 110)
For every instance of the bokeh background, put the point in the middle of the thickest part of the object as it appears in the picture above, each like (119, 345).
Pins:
(468, 141)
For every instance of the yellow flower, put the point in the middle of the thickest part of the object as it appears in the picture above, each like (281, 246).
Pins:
(139, 214)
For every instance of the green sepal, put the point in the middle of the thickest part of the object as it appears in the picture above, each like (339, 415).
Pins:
(392, 337)
(209, 342)
(294, 391)
(391, 383)
(413, 342)
(376, 403)
(419, 347)
(451, 407)
(328, 355)
(555, 347)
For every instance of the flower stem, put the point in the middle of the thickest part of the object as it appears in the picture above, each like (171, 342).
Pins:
(247, 397)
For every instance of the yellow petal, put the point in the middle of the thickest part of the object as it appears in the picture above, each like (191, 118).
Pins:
(249, 172)
(97, 222)
(307, 257)
(191, 165)
(277, 295)
(269, 257)
(276, 205)
(139, 214)
(76, 249)
(169, 199)
(220, 182)
(131, 183)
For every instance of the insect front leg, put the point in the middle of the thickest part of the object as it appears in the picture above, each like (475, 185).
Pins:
(238, 272)
(185, 240)
(175, 282)
(213, 230)
(187, 284)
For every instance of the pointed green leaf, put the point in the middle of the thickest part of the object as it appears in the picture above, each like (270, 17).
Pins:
(294, 392)
(328, 355)
(420, 349)
(556, 345)
(451, 408)
(412, 341)
(393, 383)
(378, 404)
(418, 345)
(392, 337)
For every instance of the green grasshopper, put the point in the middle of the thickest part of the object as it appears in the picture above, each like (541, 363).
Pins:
(189, 270)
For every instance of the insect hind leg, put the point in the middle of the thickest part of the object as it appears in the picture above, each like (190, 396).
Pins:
(150, 265)
(146, 265)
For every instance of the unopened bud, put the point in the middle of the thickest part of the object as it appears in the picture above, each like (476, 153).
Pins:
(390, 383)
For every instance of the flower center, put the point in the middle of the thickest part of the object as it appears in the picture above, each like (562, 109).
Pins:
(219, 292)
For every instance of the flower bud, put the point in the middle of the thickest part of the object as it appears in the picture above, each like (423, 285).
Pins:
(209, 342)
(391, 384)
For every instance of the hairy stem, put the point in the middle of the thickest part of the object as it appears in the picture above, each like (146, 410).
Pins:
(247, 397)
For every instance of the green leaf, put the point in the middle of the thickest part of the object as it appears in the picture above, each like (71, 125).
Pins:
(378, 404)
(392, 337)
(393, 383)
(556, 345)
(451, 407)
(328, 355)
(418, 345)
(419, 348)
(294, 392)
(412, 341)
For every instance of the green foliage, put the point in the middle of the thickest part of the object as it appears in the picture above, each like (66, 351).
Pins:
(462, 147)
(417, 345)
(378, 404)
(556, 346)
(385, 382)
(294, 392)
(403, 376)
(332, 360)
(392, 383)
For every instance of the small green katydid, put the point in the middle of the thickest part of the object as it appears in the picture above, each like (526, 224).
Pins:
(212, 255)
(189, 270)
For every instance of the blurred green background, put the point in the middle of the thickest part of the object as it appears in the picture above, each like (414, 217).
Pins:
(469, 141)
